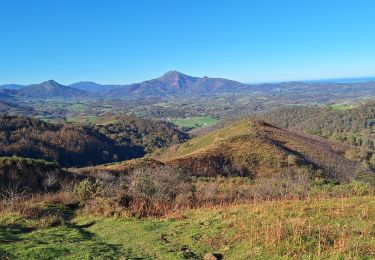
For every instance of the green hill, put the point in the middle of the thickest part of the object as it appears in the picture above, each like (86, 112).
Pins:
(254, 148)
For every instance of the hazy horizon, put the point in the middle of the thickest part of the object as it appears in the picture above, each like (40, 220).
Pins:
(325, 80)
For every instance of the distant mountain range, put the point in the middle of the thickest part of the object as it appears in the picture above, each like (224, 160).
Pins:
(11, 86)
(171, 84)
(50, 89)
(94, 87)
(174, 83)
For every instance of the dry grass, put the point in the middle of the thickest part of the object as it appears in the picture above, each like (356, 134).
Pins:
(311, 228)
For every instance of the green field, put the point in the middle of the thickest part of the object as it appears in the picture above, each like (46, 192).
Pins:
(342, 106)
(82, 119)
(316, 228)
(195, 122)
(77, 107)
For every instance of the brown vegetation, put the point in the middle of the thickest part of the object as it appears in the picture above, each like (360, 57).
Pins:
(75, 145)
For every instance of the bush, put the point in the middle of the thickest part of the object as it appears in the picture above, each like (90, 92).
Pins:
(86, 191)
(156, 191)
(359, 188)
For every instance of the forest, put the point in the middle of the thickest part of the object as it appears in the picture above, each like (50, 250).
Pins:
(82, 145)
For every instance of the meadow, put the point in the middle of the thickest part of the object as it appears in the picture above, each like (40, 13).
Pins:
(195, 122)
(312, 228)
(342, 106)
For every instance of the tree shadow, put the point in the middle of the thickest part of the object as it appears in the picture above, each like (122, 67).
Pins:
(13, 233)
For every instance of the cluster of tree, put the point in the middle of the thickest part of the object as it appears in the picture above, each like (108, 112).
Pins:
(74, 145)
(129, 130)
(353, 126)
(290, 116)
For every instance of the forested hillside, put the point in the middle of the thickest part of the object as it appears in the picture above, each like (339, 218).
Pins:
(127, 129)
(353, 126)
(77, 145)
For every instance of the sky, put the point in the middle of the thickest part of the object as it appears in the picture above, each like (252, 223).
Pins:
(121, 42)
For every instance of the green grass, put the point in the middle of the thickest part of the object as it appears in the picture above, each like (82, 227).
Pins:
(211, 139)
(342, 106)
(77, 107)
(195, 122)
(82, 119)
(336, 228)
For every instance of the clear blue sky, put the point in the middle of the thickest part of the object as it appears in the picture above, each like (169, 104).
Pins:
(121, 41)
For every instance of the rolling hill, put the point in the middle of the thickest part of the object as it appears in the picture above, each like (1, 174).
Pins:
(252, 148)
(255, 148)
(74, 145)
(11, 108)
(51, 89)
(8, 95)
(11, 86)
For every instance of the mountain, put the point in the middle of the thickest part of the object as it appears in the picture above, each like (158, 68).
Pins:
(174, 83)
(15, 109)
(51, 89)
(12, 86)
(94, 87)
(7, 94)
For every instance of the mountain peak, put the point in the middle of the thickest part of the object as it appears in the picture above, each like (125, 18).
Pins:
(176, 79)
(172, 72)
(173, 75)
(50, 82)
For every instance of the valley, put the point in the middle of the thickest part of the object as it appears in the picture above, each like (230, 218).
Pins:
(197, 130)
(183, 167)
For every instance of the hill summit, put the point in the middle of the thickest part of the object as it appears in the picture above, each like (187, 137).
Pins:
(50, 89)
(252, 148)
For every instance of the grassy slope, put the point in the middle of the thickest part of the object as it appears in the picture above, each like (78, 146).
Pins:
(260, 148)
(334, 228)
(342, 106)
(255, 147)
(195, 122)
(211, 139)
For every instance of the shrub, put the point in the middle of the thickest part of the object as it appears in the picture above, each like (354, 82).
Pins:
(292, 160)
(359, 188)
(156, 191)
(85, 191)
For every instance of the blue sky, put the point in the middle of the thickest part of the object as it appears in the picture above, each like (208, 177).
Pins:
(119, 41)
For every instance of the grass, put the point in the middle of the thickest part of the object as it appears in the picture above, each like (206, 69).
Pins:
(195, 122)
(342, 106)
(82, 119)
(211, 139)
(78, 107)
(335, 228)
